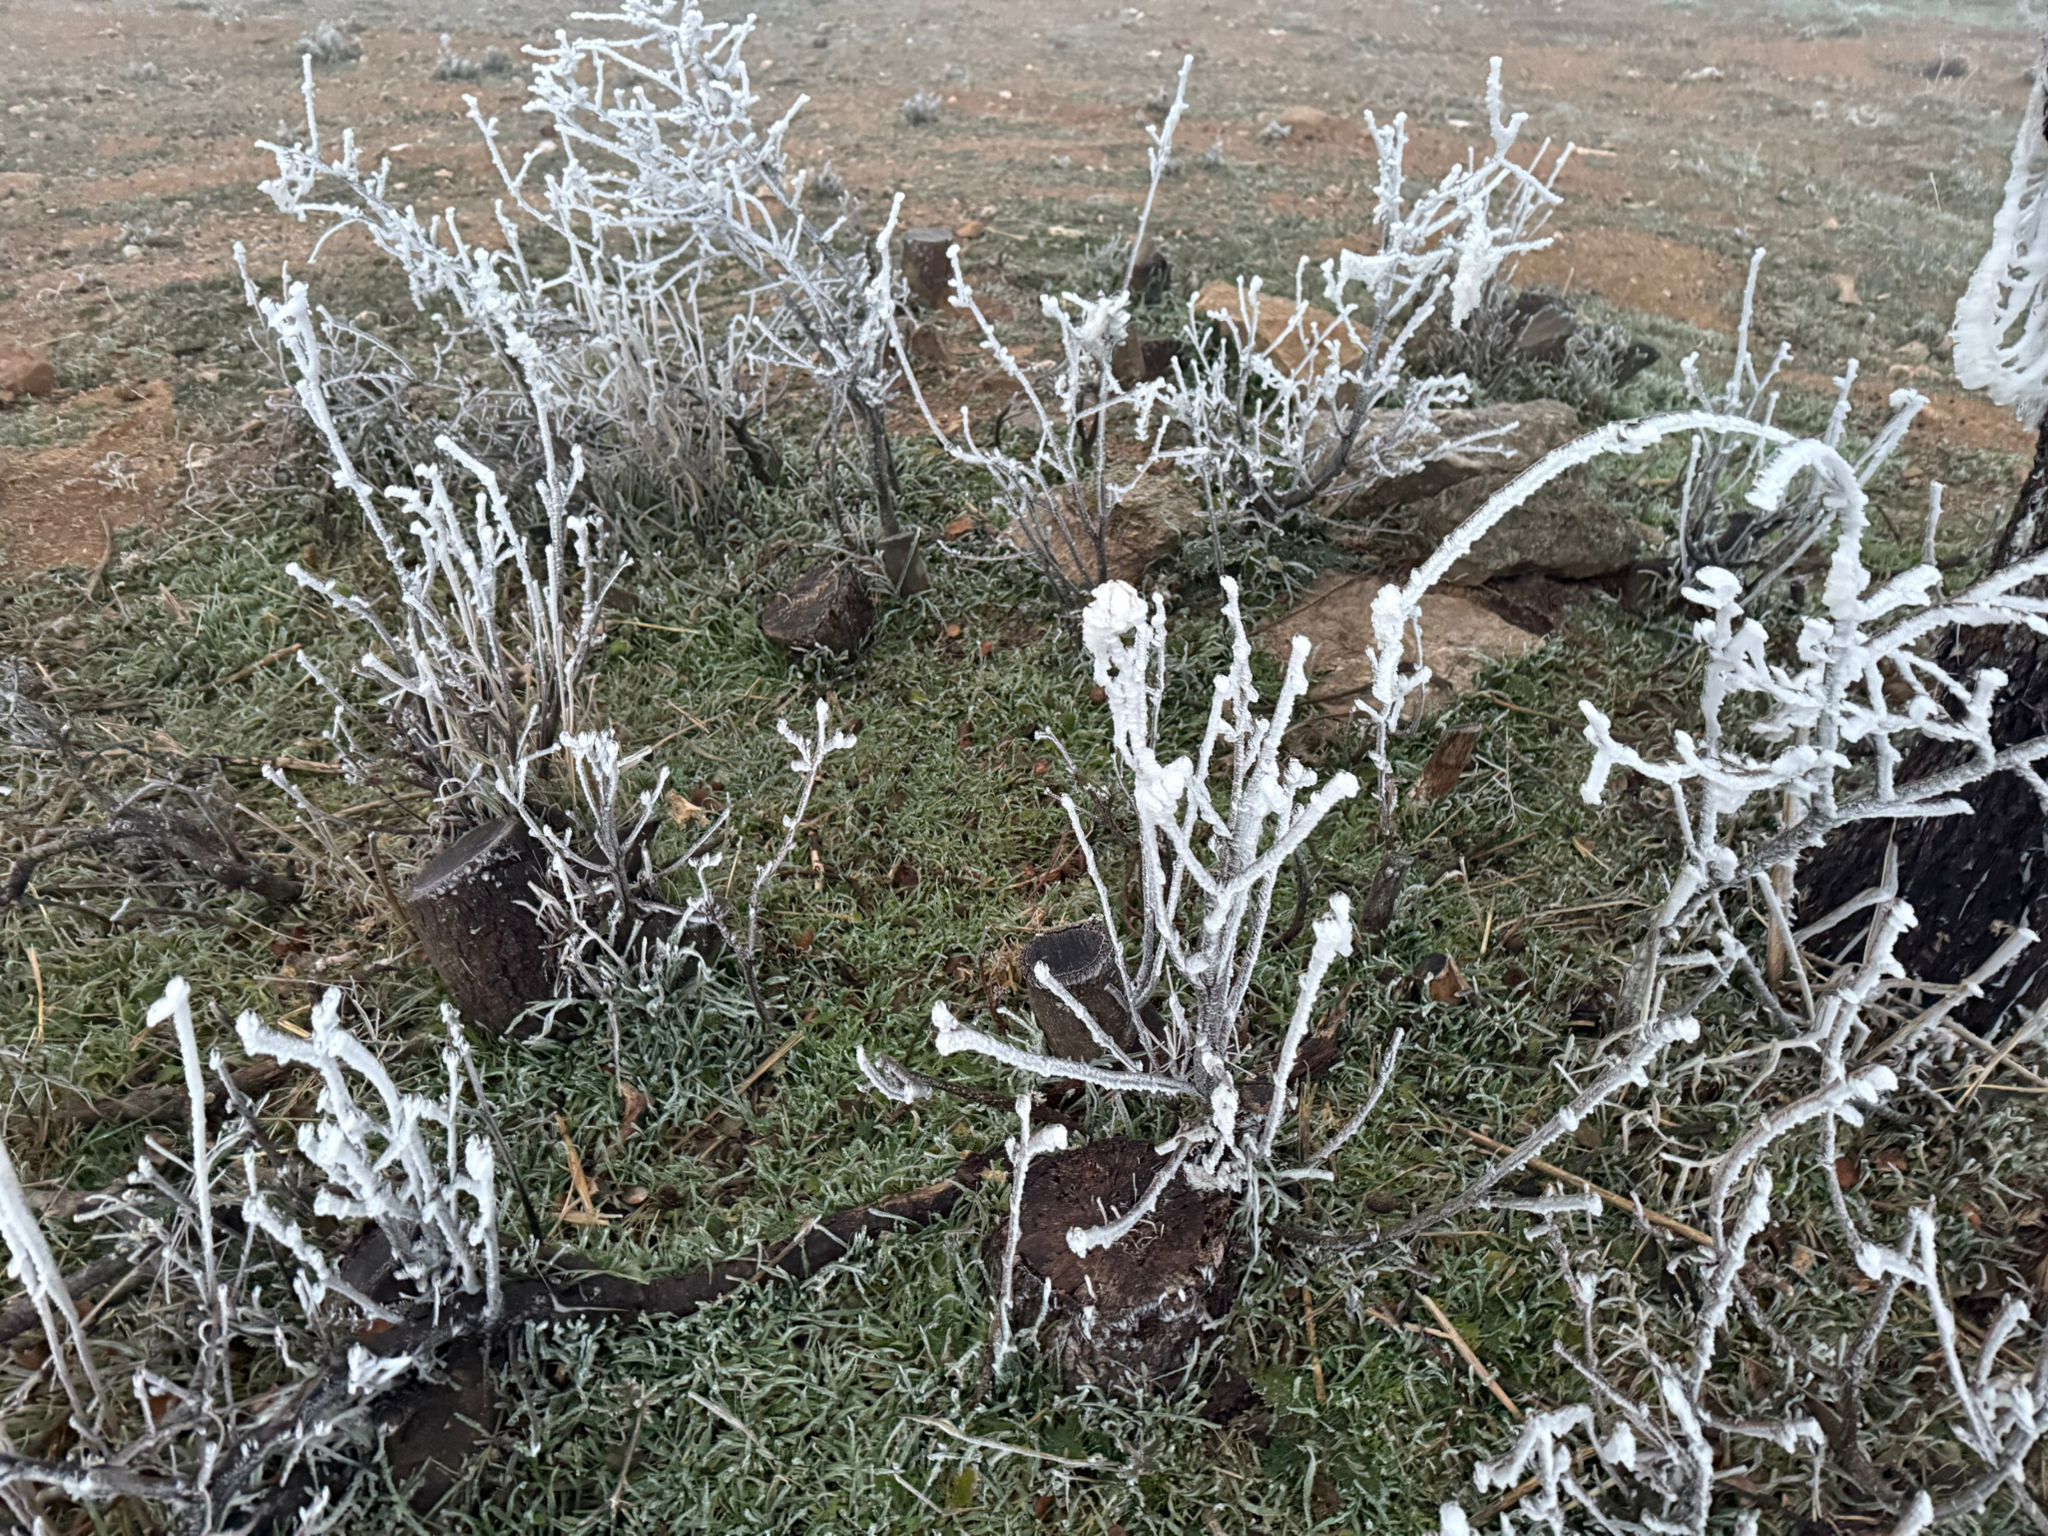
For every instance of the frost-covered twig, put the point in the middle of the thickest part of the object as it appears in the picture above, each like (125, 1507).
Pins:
(1024, 1147)
(2001, 324)
(1323, 404)
(1215, 830)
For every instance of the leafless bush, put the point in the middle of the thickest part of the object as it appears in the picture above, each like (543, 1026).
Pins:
(450, 65)
(1061, 498)
(1215, 831)
(328, 44)
(247, 1365)
(1268, 419)
(1805, 721)
(164, 817)
(659, 192)
(1281, 417)
(1717, 526)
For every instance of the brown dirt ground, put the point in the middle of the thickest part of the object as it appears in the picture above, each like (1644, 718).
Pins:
(127, 171)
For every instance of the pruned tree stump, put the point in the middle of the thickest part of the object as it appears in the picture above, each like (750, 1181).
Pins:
(470, 906)
(928, 265)
(1132, 1317)
(1141, 359)
(1082, 959)
(1151, 275)
(825, 609)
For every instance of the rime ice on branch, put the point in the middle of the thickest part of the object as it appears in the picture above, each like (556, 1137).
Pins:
(1215, 830)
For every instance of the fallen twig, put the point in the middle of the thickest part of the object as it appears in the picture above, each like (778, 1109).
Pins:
(1465, 1353)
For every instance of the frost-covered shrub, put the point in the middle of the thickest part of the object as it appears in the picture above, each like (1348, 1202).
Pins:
(482, 662)
(450, 65)
(1215, 829)
(1280, 417)
(1272, 406)
(682, 270)
(2001, 324)
(1061, 494)
(1717, 525)
(1806, 722)
(328, 44)
(268, 1323)
(479, 659)
(1813, 1050)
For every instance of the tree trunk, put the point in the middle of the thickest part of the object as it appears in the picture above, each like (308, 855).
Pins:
(1134, 1316)
(1082, 960)
(1151, 275)
(468, 906)
(928, 266)
(1971, 879)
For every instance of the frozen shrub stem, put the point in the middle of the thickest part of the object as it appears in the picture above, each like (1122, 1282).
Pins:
(808, 763)
(231, 1240)
(1061, 499)
(1215, 830)
(487, 699)
(1278, 419)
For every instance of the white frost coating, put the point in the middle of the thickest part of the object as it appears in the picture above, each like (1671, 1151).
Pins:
(1216, 828)
(1803, 725)
(31, 1263)
(1270, 406)
(388, 1156)
(1060, 492)
(248, 1353)
(888, 1078)
(660, 190)
(1397, 608)
(1832, 700)
(1285, 403)
(1024, 1147)
(1718, 521)
(2001, 324)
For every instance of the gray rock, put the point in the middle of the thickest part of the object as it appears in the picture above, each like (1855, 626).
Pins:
(1561, 531)
(1146, 527)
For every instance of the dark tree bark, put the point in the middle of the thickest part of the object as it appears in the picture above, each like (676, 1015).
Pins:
(1151, 275)
(827, 608)
(469, 908)
(1971, 879)
(928, 266)
(1082, 960)
(1133, 1316)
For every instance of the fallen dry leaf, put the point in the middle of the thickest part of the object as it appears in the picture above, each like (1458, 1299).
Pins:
(1447, 764)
